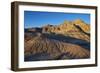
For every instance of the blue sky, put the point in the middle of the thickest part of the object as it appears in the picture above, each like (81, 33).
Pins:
(38, 19)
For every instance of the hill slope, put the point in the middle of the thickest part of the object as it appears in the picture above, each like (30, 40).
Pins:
(65, 41)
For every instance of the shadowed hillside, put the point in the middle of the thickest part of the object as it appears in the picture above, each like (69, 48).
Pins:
(69, 40)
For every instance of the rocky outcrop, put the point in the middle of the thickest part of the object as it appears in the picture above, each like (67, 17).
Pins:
(68, 28)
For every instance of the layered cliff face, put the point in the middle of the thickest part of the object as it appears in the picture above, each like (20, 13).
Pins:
(77, 29)
(85, 27)
(69, 40)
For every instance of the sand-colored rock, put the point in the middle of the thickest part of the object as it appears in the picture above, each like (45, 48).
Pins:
(55, 42)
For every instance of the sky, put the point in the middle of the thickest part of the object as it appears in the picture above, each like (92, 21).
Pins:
(39, 19)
